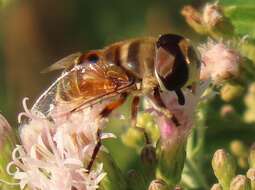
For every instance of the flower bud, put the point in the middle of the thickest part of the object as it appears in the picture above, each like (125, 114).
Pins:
(249, 100)
(250, 96)
(240, 182)
(146, 121)
(238, 148)
(178, 188)
(242, 162)
(7, 143)
(252, 156)
(114, 179)
(194, 19)
(227, 111)
(212, 15)
(217, 24)
(251, 175)
(135, 180)
(224, 167)
(231, 92)
(249, 116)
(171, 160)
(133, 138)
(216, 187)
(149, 162)
(148, 155)
(158, 184)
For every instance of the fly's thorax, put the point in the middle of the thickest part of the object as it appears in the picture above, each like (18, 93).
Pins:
(135, 56)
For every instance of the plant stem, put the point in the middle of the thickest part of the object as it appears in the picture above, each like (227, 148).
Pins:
(198, 176)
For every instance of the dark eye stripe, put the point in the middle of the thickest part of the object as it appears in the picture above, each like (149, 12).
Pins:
(178, 76)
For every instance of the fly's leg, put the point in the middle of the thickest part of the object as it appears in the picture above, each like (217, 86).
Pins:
(134, 111)
(113, 105)
(95, 151)
(105, 113)
(160, 105)
(180, 95)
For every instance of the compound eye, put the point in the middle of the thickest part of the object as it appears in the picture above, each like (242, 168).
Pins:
(193, 57)
(171, 68)
(164, 65)
(89, 58)
(93, 58)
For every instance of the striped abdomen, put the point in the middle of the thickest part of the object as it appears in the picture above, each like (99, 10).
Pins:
(136, 56)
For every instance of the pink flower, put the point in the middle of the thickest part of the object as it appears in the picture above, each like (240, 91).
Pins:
(219, 62)
(185, 114)
(53, 151)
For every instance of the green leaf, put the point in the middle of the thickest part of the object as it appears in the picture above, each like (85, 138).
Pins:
(242, 15)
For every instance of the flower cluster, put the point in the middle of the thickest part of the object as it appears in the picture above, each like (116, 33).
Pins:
(224, 168)
(55, 155)
(219, 63)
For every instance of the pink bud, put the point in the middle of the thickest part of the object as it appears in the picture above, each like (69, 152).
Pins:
(219, 62)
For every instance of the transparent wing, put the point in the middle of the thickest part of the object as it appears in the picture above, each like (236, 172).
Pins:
(82, 86)
(64, 63)
(47, 101)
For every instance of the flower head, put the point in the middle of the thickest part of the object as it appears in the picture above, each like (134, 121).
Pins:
(219, 62)
(54, 150)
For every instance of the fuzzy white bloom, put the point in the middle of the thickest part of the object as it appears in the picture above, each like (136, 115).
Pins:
(55, 154)
(219, 62)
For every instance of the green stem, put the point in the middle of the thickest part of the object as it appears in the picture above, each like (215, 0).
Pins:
(200, 144)
(197, 174)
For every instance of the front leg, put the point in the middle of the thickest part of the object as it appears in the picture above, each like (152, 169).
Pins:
(105, 113)
(160, 106)
(134, 112)
(113, 105)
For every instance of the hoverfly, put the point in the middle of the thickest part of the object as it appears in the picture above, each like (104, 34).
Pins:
(137, 67)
